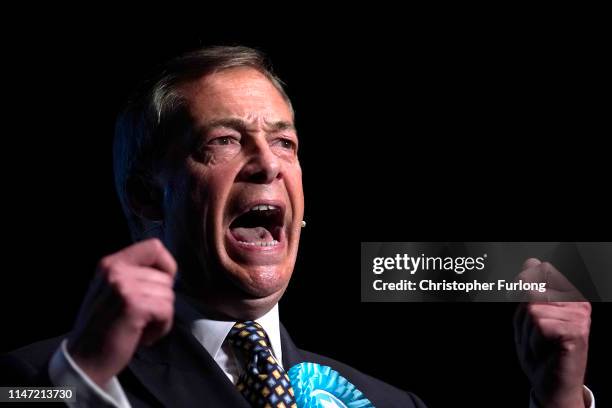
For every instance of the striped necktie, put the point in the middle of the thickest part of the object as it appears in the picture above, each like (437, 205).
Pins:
(264, 383)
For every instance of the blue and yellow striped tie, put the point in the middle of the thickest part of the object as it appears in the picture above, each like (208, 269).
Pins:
(263, 383)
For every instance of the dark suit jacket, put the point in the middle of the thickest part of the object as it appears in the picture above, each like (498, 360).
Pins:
(178, 372)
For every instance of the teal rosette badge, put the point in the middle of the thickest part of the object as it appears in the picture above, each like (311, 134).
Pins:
(318, 386)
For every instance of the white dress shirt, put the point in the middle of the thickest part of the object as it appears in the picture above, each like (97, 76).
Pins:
(212, 335)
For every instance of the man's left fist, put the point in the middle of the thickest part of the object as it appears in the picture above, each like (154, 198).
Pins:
(552, 340)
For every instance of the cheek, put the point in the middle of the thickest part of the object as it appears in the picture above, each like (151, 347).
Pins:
(218, 155)
(209, 185)
(294, 181)
(199, 194)
(187, 193)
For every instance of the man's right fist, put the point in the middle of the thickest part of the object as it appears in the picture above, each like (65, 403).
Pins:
(130, 302)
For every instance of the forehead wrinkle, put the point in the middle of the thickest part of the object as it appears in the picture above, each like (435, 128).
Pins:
(279, 125)
(249, 124)
(259, 111)
(255, 120)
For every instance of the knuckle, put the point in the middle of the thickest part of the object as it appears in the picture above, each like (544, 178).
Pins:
(105, 264)
(585, 315)
(538, 322)
(586, 306)
(585, 328)
(123, 289)
(546, 266)
(156, 244)
(173, 264)
(114, 276)
(583, 311)
(584, 332)
(545, 330)
(120, 289)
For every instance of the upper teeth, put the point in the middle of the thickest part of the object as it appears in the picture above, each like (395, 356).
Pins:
(264, 207)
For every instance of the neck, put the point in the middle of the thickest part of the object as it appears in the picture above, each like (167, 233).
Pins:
(223, 303)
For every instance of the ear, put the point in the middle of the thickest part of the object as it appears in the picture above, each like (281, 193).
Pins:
(145, 197)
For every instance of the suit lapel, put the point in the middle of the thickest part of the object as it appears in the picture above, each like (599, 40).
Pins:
(180, 373)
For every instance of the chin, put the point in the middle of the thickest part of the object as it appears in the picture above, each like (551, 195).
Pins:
(261, 282)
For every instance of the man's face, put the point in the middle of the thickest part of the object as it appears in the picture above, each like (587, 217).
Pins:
(237, 194)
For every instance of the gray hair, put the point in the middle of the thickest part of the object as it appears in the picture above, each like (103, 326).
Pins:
(156, 113)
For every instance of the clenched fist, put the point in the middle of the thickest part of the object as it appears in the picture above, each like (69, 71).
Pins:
(552, 340)
(130, 302)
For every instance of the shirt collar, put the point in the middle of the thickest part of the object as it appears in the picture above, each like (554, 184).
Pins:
(212, 333)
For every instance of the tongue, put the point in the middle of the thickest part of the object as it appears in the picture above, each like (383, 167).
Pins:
(252, 234)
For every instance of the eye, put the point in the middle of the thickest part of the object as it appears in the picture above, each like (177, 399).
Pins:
(286, 143)
(224, 141)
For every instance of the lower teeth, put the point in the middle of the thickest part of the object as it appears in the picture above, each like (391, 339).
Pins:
(261, 243)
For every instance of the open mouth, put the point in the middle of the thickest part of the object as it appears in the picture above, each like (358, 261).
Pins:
(260, 226)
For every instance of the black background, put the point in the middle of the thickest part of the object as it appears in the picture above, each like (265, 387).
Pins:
(413, 132)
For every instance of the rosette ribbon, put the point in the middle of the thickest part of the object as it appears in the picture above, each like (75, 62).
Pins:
(318, 386)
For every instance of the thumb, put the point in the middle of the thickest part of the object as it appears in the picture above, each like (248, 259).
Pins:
(531, 263)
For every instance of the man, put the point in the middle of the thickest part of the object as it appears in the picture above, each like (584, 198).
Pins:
(208, 175)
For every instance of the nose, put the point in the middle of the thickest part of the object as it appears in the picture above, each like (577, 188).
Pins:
(263, 165)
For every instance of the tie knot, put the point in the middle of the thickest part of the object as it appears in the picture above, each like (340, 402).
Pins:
(249, 336)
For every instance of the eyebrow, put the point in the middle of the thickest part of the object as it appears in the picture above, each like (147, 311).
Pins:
(242, 126)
